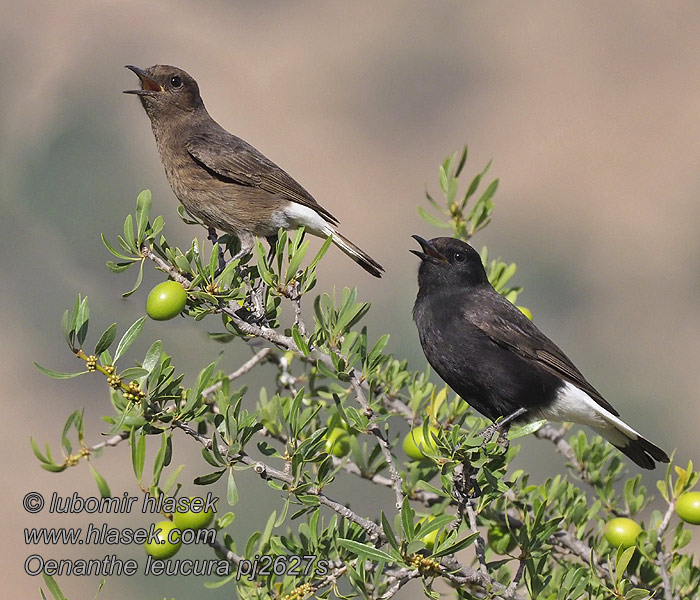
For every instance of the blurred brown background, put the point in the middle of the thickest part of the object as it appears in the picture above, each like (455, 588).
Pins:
(591, 112)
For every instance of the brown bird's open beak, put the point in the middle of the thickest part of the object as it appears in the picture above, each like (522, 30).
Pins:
(429, 252)
(149, 86)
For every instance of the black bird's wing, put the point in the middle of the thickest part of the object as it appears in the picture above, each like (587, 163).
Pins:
(508, 327)
(233, 158)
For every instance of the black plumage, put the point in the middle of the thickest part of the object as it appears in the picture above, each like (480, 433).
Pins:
(497, 360)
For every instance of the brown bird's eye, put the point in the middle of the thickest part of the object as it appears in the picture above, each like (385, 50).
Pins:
(176, 81)
(459, 256)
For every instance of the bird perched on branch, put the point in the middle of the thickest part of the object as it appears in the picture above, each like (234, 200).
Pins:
(497, 360)
(221, 179)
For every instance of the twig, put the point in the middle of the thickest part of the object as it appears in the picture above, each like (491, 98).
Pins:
(556, 436)
(479, 542)
(240, 371)
(661, 554)
(223, 551)
(298, 319)
(397, 482)
(400, 582)
(110, 441)
(510, 591)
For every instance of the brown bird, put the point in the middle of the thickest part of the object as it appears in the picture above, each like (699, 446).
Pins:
(221, 179)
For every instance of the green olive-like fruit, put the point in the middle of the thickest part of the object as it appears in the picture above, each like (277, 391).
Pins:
(166, 301)
(622, 531)
(688, 507)
(413, 443)
(337, 442)
(162, 547)
(429, 539)
(501, 540)
(193, 519)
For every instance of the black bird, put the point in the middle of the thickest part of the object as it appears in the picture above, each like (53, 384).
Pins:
(221, 179)
(495, 358)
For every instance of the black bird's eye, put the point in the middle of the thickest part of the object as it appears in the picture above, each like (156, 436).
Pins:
(176, 81)
(460, 256)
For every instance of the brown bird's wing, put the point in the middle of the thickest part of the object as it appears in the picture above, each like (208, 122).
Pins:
(233, 158)
(511, 329)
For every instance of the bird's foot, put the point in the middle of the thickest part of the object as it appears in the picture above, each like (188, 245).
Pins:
(501, 427)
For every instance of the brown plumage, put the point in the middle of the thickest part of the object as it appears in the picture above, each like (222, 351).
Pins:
(221, 179)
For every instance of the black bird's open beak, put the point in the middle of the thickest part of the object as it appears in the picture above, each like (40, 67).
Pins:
(149, 86)
(429, 252)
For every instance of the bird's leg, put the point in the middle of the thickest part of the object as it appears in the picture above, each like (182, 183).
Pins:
(501, 427)
(247, 242)
(213, 238)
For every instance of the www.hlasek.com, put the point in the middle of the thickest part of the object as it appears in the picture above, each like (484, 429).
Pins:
(94, 534)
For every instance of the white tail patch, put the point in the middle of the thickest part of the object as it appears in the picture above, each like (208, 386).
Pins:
(575, 405)
(297, 214)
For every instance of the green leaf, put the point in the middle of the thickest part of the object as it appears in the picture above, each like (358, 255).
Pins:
(133, 373)
(389, 532)
(210, 458)
(431, 220)
(101, 483)
(153, 356)
(106, 339)
(38, 453)
(518, 432)
(114, 251)
(81, 323)
(407, 516)
(623, 559)
(129, 337)
(57, 374)
(203, 379)
(214, 261)
(137, 283)
(299, 340)
(457, 546)
(172, 479)
(138, 452)
(65, 442)
(319, 255)
(462, 162)
(231, 489)
(443, 179)
(265, 274)
(365, 551)
(143, 209)
(295, 261)
(209, 478)
(159, 461)
(53, 587)
(129, 234)
(66, 329)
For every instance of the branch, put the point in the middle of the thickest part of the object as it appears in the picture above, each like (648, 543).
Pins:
(267, 472)
(556, 436)
(479, 542)
(110, 441)
(240, 371)
(663, 558)
(397, 482)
